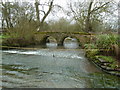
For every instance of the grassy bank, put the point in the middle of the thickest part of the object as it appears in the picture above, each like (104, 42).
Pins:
(105, 53)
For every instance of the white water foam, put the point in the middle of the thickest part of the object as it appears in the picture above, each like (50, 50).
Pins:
(47, 52)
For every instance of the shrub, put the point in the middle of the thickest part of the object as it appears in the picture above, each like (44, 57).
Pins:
(90, 46)
(106, 40)
(21, 35)
(91, 50)
(90, 53)
(113, 65)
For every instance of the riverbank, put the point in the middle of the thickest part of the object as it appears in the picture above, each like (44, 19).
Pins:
(107, 64)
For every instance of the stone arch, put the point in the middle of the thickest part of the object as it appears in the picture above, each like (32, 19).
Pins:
(48, 39)
(61, 42)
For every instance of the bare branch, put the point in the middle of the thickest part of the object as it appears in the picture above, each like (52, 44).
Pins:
(97, 8)
(50, 8)
(75, 14)
(43, 11)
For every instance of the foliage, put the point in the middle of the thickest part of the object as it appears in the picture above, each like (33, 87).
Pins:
(3, 36)
(113, 63)
(91, 50)
(90, 53)
(105, 41)
(90, 46)
(21, 35)
(106, 58)
(103, 80)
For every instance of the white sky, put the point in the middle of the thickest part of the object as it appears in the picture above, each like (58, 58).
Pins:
(59, 14)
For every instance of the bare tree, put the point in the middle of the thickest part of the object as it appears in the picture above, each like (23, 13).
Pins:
(42, 13)
(91, 11)
(45, 13)
(6, 14)
(49, 10)
(12, 12)
(87, 12)
(37, 10)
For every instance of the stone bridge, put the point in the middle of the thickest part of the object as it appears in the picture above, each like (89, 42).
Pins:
(82, 38)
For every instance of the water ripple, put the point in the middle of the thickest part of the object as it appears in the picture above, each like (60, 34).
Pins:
(47, 52)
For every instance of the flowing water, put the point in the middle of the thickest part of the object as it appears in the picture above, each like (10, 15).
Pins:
(53, 68)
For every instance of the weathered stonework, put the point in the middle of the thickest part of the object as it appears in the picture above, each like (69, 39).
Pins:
(82, 38)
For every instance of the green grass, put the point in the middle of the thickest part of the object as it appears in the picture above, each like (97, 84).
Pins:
(107, 58)
(113, 63)
(90, 46)
(105, 41)
(4, 36)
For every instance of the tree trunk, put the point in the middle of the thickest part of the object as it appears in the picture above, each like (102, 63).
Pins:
(49, 10)
(2, 21)
(37, 10)
(88, 24)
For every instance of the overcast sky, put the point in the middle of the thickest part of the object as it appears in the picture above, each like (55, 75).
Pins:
(58, 14)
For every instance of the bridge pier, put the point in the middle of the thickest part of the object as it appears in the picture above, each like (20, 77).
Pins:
(60, 44)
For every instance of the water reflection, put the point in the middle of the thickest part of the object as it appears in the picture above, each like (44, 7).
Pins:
(69, 43)
(51, 45)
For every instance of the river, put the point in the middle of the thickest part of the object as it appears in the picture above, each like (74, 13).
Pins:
(53, 67)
